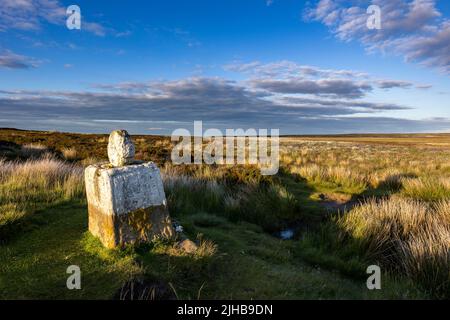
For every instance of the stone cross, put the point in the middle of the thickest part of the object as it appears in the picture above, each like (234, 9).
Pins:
(126, 199)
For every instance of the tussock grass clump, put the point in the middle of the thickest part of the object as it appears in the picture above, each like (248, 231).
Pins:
(41, 175)
(379, 225)
(427, 188)
(187, 195)
(206, 248)
(340, 176)
(70, 154)
(267, 206)
(409, 236)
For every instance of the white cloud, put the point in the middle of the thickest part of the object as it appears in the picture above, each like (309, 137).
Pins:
(94, 27)
(31, 15)
(290, 77)
(414, 29)
(289, 69)
(11, 60)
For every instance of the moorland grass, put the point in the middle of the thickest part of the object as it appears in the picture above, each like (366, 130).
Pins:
(235, 261)
(407, 236)
(397, 216)
(26, 187)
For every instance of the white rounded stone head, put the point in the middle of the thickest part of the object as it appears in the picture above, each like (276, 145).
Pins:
(120, 148)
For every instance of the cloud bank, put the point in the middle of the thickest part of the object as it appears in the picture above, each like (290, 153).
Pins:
(299, 106)
(414, 29)
(11, 60)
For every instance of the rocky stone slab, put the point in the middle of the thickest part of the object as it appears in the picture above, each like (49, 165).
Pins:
(127, 204)
(120, 148)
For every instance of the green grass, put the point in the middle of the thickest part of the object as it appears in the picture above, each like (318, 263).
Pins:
(249, 264)
(428, 189)
(34, 266)
(26, 187)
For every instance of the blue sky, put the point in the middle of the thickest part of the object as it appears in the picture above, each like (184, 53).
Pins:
(153, 66)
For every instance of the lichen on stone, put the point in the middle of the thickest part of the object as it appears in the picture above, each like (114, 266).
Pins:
(121, 149)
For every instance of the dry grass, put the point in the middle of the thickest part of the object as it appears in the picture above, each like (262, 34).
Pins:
(338, 175)
(405, 234)
(25, 186)
(206, 248)
(403, 220)
(357, 167)
(427, 188)
(45, 172)
(69, 154)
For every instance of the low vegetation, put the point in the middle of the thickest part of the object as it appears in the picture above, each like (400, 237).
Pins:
(26, 187)
(398, 215)
(408, 236)
(349, 204)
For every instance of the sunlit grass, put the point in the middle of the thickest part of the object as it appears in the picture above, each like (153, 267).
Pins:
(33, 184)
(410, 236)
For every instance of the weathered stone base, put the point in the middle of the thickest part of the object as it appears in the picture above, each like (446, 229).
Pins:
(139, 226)
(127, 205)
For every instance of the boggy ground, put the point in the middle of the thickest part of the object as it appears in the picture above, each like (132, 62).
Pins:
(351, 204)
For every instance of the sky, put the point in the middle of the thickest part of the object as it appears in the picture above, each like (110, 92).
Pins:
(150, 67)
